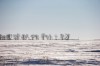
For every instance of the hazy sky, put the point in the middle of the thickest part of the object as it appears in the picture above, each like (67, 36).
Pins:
(80, 18)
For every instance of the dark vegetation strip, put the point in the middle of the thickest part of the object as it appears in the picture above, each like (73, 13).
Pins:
(93, 51)
(50, 62)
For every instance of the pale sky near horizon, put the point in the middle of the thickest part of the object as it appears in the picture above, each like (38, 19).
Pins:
(80, 18)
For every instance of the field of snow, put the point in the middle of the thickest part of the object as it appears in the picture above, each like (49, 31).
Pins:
(49, 53)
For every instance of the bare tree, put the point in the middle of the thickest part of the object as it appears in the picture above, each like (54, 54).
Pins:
(16, 36)
(37, 37)
(32, 36)
(67, 36)
(43, 36)
(3, 37)
(56, 37)
(24, 36)
(47, 37)
(62, 36)
(0, 36)
(50, 37)
(9, 36)
(27, 36)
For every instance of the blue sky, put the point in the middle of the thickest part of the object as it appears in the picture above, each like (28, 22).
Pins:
(80, 18)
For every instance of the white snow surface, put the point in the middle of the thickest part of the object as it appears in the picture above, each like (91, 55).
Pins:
(50, 49)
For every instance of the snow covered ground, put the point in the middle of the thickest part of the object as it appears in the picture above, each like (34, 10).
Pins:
(49, 53)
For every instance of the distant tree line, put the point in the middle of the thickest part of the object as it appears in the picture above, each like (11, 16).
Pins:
(34, 37)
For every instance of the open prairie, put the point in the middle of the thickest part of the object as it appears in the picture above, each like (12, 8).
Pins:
(49, 53)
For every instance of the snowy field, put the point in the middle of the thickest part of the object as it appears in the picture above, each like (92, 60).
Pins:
(49, 53)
